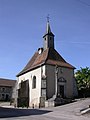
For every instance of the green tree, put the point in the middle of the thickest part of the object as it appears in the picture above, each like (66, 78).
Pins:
(83, 81)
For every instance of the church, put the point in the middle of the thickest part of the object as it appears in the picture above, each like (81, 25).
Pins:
(47, 75)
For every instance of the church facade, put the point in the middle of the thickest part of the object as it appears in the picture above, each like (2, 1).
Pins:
(47, 75)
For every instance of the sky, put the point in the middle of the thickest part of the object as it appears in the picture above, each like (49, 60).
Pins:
(23, 24)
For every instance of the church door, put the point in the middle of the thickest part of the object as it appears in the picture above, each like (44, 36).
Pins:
(61, 90)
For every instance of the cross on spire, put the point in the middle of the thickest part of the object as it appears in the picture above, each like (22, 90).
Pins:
(48, 18)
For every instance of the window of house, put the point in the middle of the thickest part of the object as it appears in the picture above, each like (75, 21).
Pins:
(34, 82)
(0, 89)
(3, 96)
(3, 89)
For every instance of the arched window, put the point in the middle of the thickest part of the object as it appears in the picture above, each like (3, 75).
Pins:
(34, 82)
(50, 38)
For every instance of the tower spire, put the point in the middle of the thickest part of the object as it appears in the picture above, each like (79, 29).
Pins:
(48, 29)
(48, 37)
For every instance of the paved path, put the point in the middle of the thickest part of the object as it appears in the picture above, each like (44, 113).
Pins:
(65, 112)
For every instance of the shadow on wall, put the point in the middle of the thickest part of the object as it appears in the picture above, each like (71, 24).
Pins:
(13, 112)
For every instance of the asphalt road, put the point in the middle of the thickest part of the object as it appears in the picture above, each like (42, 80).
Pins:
(65, 112)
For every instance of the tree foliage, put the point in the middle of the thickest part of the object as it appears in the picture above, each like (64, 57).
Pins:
(83, 82)
(83, 78)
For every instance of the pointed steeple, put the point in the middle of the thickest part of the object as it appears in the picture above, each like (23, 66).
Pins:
(48, 29)
(48, 37)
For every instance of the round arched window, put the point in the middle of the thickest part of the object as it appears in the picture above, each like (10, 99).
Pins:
(34, 82)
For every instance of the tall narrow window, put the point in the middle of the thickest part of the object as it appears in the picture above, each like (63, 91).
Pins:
(50, 38)
(34, 82)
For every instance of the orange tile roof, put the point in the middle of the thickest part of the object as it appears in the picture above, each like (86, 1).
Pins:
(48, 56)
(59, 63)
(7, 82)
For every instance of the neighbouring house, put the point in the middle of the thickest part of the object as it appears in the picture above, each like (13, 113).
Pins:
(46, 76)
(6, 88)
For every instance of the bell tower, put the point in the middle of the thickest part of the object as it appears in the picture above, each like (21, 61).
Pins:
(48, 38)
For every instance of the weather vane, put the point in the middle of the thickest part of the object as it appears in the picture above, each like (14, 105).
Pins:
(48, 18)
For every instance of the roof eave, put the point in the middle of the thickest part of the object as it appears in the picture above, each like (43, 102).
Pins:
(48, 34)
(34, 67)
(62, 66)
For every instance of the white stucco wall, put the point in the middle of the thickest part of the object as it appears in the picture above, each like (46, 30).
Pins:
(49, 72)
(50, 75)
(34, 94)
(66, 73)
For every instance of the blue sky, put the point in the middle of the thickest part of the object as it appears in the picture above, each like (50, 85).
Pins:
(23, 23)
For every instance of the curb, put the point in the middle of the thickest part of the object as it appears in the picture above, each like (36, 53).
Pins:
(84, 111)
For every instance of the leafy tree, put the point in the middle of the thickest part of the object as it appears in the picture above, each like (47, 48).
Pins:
(83, 80)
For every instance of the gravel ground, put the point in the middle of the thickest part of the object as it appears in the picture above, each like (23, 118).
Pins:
(65, 112)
